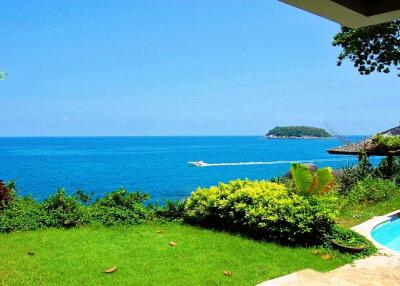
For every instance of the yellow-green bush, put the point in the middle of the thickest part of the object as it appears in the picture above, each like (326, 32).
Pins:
(263, 209)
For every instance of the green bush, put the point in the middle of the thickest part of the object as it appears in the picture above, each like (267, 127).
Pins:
(120, 207)
(264, 209)
(371, 190)
(63, 210)
(171, 210)
(385, 172)
(22, 214)
(348, 176)
(342, 238)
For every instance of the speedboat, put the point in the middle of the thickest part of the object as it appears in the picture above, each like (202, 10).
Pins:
(198, 163)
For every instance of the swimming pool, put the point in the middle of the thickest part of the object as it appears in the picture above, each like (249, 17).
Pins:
(388, 234)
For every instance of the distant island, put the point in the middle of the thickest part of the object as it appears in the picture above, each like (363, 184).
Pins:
(297, 132)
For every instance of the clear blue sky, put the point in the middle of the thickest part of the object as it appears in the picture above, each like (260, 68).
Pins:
(179, 68)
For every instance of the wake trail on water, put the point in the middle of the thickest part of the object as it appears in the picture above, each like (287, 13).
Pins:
(272, 162)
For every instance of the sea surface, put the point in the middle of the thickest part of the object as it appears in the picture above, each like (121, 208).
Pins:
(156, 165)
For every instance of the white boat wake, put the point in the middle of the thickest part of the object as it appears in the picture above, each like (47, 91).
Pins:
(204, 164)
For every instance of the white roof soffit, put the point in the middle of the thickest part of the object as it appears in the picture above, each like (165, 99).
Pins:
(352, 13)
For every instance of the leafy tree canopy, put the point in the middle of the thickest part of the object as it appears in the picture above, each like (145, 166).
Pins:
(373, 48)
(2, 75)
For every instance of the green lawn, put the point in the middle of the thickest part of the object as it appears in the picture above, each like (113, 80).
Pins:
(353, 215)
(143, 257)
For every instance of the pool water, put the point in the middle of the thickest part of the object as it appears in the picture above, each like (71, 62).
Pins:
(388, 234)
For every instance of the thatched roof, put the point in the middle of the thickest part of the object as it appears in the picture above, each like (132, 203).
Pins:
(366, 146)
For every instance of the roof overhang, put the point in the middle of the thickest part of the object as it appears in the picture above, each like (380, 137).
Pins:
(352, 13)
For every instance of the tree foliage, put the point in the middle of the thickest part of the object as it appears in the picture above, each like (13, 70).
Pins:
(2, 75)
(372, 48)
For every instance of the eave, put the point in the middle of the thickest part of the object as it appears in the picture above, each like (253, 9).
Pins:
(351, 13)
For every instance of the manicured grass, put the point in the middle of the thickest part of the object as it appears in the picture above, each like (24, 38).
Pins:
(356, 214)
(143, 257)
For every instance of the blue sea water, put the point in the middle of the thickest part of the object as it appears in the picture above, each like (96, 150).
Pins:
(156, 165)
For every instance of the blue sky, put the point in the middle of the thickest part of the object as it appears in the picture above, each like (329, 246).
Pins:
(179, 68)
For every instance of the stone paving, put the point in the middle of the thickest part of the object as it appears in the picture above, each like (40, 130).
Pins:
(372, 271)
(380, 270)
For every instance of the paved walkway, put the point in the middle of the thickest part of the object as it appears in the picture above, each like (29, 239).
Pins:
(381, 270)
(371, 271)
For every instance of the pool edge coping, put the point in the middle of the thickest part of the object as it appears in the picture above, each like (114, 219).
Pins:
(366, 228)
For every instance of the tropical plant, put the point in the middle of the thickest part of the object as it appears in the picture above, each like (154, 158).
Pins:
(348, 177)
(308, 182)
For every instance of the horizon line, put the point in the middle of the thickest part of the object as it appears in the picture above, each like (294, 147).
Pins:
(201, 135)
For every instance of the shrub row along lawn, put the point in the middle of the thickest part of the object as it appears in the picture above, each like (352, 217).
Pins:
(143, 256)
(65, 239)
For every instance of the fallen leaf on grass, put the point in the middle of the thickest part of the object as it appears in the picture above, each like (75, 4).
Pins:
(111, 270)
(159, 231)
(172, 243)
(316, 251)
(228, 273)
(326, 256)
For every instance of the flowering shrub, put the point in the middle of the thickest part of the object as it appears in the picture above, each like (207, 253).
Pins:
(264, 209)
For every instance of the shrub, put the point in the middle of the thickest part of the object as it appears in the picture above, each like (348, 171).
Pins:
(120, 207)
(385, 172)
(22, 214)
(262, 209)
(63, 210)
(345, 238)
(349, 176)
(7, 193)
(372, 190)
(171, 210)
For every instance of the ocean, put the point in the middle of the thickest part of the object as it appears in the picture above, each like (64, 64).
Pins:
(155, 165)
